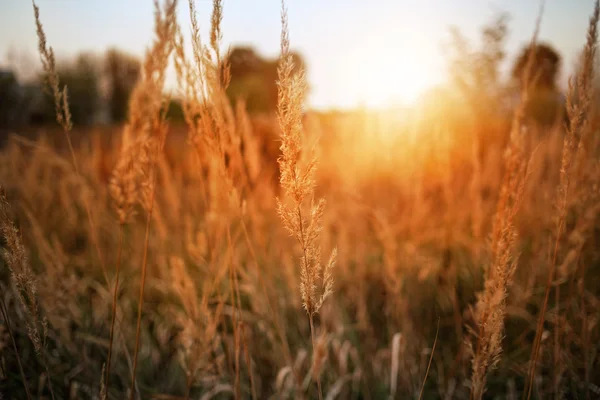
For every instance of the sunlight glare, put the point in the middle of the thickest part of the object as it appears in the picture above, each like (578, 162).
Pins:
(391, 75)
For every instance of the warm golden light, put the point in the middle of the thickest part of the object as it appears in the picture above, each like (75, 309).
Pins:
(390, 74)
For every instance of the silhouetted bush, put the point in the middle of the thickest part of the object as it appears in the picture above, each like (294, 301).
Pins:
(253, 79)
(122, 71)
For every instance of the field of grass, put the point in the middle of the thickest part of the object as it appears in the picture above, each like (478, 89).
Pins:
(451, 256)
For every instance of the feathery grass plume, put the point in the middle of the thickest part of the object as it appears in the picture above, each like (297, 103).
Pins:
(146, 105)
(208, 112)
(134, 178)
(14, 255)
(490, 309)
(578, 109)
(63, 116)
(297, 179)
(124, 183)
(24, 283)
(215, 32)
(213, 136)
(199, 339)
(61, 102)
(123, 188)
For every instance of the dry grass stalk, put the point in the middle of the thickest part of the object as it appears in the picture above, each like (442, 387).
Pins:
(578, 109)
(215, 139)
(490, 309)
(15, 257)
(103, 392)
(134, 178)
(61, 101)
(63, 117)
(209, 115)
(248, 360)
(199, 339)
(6, 319)
(125, 189)
(24, 283)
(106, 367)
(273, 311)
(297, 179)
(218, 79)
(430, 360)
(395, 354)
(125, 181)
(298, 182)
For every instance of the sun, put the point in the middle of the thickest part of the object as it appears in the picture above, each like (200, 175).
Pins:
(391, 75)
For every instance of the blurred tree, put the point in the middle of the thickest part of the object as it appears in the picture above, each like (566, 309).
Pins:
(175, 111)
(15, 98)
(545, 66)
(82, 78)
(86, 76)
(9, 99)
(244, 61)
(253, 78)
(84, 89)
(546, 104)
(122, 71)
(475, 73)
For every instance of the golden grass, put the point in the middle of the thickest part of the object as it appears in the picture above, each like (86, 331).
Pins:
(578, 109)
(297, 168)
(490, 310)
(202, 254)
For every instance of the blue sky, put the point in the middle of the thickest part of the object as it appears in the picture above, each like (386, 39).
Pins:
(350, 46)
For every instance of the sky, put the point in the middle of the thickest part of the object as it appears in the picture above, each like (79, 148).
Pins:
(367, 52)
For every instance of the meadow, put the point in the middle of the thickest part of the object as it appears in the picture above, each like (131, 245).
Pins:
(450, 252)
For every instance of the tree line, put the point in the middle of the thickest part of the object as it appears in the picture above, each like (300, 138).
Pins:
(99, 86)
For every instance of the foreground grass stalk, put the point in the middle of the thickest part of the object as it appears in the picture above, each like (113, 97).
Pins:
(14, 344)
(24, 281)
(235, 315)
(240, 335)
(272, 310)
(114, 305)
(490, 310)
(135, 176)
(312, 338)
(309, 305)
(142, 287)
(248, 362)
(63, 117)
(578, 108)
(437, 332)
(241, 330)
(297, 167)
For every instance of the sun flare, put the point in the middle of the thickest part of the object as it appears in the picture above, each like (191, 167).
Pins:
(391, 75)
